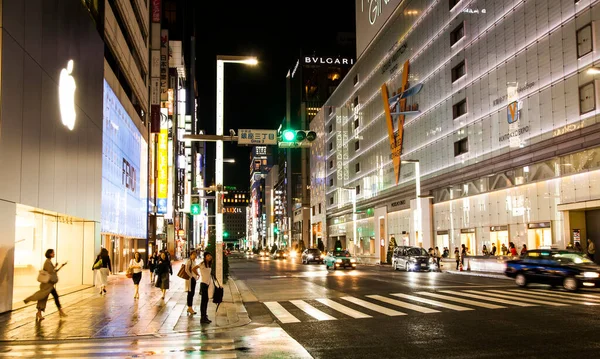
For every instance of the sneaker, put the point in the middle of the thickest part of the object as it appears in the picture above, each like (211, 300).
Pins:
(205, 321)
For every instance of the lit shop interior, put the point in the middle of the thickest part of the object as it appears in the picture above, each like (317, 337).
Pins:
(72, 239)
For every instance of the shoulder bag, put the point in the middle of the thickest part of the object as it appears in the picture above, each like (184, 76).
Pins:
(218, 293)
(98, 264)
(43, 276)
(182, 273)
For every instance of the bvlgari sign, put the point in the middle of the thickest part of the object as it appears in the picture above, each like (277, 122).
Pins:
(328, 60)
(370, 17)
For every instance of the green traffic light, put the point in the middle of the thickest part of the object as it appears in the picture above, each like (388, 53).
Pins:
(195, 209)
(289, 135)
(225, 234)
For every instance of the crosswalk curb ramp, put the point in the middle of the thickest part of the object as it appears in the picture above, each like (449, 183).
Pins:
(421, 302)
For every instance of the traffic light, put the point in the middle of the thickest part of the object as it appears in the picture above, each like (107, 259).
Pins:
(195, 209)
(225, 234)
(289, 138)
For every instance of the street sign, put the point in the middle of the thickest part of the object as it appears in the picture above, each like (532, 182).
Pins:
(257, 137)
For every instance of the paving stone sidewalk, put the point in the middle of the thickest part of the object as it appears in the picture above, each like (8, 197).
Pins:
(118, 314)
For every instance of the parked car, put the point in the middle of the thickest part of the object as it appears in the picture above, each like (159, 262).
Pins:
(411, 258)
(569, 269)
(339, 259)
(312, 255)
(280, 254)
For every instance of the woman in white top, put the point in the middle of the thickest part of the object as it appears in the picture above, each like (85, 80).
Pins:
(206, 274)
(136, 264)
(190, 285)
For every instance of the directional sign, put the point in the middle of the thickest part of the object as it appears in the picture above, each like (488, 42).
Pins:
(257, 137)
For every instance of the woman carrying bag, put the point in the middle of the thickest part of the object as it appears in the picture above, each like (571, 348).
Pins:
(191, 270)
(205, 284)
(136, 264)
(47, 288)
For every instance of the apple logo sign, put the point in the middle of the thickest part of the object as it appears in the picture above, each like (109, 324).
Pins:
(66, 96)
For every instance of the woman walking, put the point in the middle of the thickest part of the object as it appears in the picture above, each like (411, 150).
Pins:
(152, 260)
(206, 274)
(457, 257)
(103, 269)
(163, 271)
(190, 285)
(47, 288)
(136, 264)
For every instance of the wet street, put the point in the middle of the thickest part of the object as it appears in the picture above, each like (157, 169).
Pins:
(283, 309)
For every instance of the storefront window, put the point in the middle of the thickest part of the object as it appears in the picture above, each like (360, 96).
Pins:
(35, 232)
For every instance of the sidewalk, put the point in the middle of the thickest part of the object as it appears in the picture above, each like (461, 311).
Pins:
(117, 314)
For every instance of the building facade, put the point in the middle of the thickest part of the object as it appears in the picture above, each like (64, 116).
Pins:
(261, 162)
(50, 144)
(498, 132)
(235, 203)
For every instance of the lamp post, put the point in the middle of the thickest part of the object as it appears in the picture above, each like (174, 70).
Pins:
(419, 214)
(221, 60)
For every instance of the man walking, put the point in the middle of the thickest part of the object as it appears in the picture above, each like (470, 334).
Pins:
(591, 249)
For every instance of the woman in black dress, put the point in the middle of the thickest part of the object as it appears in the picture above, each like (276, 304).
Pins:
(163, 270)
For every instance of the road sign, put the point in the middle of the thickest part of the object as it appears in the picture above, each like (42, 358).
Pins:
(257, 137)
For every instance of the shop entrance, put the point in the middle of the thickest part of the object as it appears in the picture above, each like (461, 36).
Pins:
(539, 235)
(467, 237)
(498, 237)
(442, 240)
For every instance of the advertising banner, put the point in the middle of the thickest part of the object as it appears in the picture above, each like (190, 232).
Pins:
(371, 15)
(162, 168)
(124, 173)
(156, 9)
(164, 64)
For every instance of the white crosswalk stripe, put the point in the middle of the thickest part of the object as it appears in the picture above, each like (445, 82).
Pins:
(342, 308)
(489, 299)
(443, 300)
(503, 294)
(373, 307)
(558, 295)
(398, 303)
(177, 346)
(312, 311)
(431, 302)
(461, 300)
(281, 313)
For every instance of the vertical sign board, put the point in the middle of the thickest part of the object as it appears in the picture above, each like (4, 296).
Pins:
(162, 168)
(156, 9)
(164, 64)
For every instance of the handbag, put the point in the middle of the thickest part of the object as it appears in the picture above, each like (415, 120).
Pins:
(129, 273)
(43, 276)
(217, 294)
(98, 264)
(182, 273)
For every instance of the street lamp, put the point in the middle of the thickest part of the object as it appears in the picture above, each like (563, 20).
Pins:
(419, 213)
(221, 60)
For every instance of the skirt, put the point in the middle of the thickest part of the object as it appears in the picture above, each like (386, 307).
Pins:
(162, 281)
(137, 277)
(102, 277)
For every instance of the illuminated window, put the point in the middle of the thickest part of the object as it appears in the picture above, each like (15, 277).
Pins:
(459, 71)
(357, 167)
(457, 34)
(587, 98)
(584, 40)
(461, 146)
(459, 109)
(453, 3)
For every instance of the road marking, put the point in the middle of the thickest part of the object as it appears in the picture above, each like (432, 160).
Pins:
(342, 308)
(570, 294)
(312, 311)
(490, 299)
(281, 313)
(461, 300)
(398, 303)
(502, 294)
(167, 351)
(538, 295)
(432, 302)
(373, 307)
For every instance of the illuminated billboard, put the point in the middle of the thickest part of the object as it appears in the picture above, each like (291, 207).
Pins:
(124, 177)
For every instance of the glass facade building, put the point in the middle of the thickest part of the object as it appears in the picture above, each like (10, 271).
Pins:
(503, 128)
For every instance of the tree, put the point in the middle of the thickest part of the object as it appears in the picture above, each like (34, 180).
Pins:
(320, 245)
(338, 245)
(391, 247)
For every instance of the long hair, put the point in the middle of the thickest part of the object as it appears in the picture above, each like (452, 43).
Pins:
(205, 261)
(137, 255)
(104, 252)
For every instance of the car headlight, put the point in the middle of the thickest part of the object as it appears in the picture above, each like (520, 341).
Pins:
(293, 254)
(310, 256)
(352, 260)
(322, 256)
(338, 261)
(591, 274)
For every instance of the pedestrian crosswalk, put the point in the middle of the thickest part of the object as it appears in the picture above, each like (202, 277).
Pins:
(422, 302)
(175, 346)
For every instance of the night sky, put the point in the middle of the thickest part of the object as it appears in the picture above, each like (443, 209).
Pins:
(274, 32)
